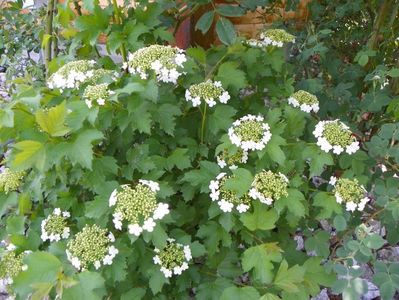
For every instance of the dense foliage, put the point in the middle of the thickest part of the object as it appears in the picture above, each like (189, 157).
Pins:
(256, 169)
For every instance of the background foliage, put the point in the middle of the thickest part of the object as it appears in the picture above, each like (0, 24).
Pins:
(346, 54)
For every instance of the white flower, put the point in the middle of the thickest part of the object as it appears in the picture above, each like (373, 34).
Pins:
(156, 260)
(113, 198)
(149, 224)
(57, 211)
(351, 206)
(168, 273)
(221, 162)
(97, 264)
(214, 185)
(187, 252)
(352, 148)
(154, 186)
(225, 206)
(135, 229)
(75, 262)
(161, 211)
(337, 149)
(242, 208)
(111, 237)
(333, 180)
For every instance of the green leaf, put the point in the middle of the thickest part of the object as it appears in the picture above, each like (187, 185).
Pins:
(135, 293)
(374, 241)
(328, 205)
(90, 287)
(363, 60)
(269, 296)
(43, 268)
(167, 114)
(89, 5)
(179, 159)
(212, 290)
(260, 258)
(244, 293)
(319, 243)
(261, 218)
(205, 22)
(202, 177)
(15, 225)
(221, 118)
(318, 159)
(394, 72)
(80, 151)
(288, 279)
(52, 120)
(230, 10)
(157, 281)
(240, 182)
(317, 275)
(31, 153)
(293, 202)
(230, 75)
(339, 223)
(226, 31)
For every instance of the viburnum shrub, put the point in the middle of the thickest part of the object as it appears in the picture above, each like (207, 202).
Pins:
(186, 174)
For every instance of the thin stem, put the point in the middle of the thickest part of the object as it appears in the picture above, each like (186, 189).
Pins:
(203, 123)
(118, 20)
(49, 31)
(210, 73)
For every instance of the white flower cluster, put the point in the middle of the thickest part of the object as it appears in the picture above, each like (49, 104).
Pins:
(54, 227)
(231, 160)
(272, 37)
(335, 136)
(349, 192)
(166, 61)
(91, 246)
(227, 199)
(71, 75)
(98, 93)
(11, 264)
(268, 187)
(138, 206)
(173, 258)
(250, 133)
(208, 91)
(305, 101)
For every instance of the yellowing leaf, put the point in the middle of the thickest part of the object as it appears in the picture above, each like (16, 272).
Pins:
(31, 153)
(52, 121)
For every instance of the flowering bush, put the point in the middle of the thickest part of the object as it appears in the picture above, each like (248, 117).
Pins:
(204, 174)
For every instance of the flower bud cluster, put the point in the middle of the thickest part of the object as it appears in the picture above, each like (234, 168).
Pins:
(207, 91)
(305, 101)
(231, 160)
(272, 37)
(11, 265)
(173, 258)
(350, 192)
(98, 93)
(138, 206)
(91, 246)
(71, 75)
(268, 187)
(165, 61)
(335, 136)
(226, 198)
(10, 180)
(54, 227)
(250, 133)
